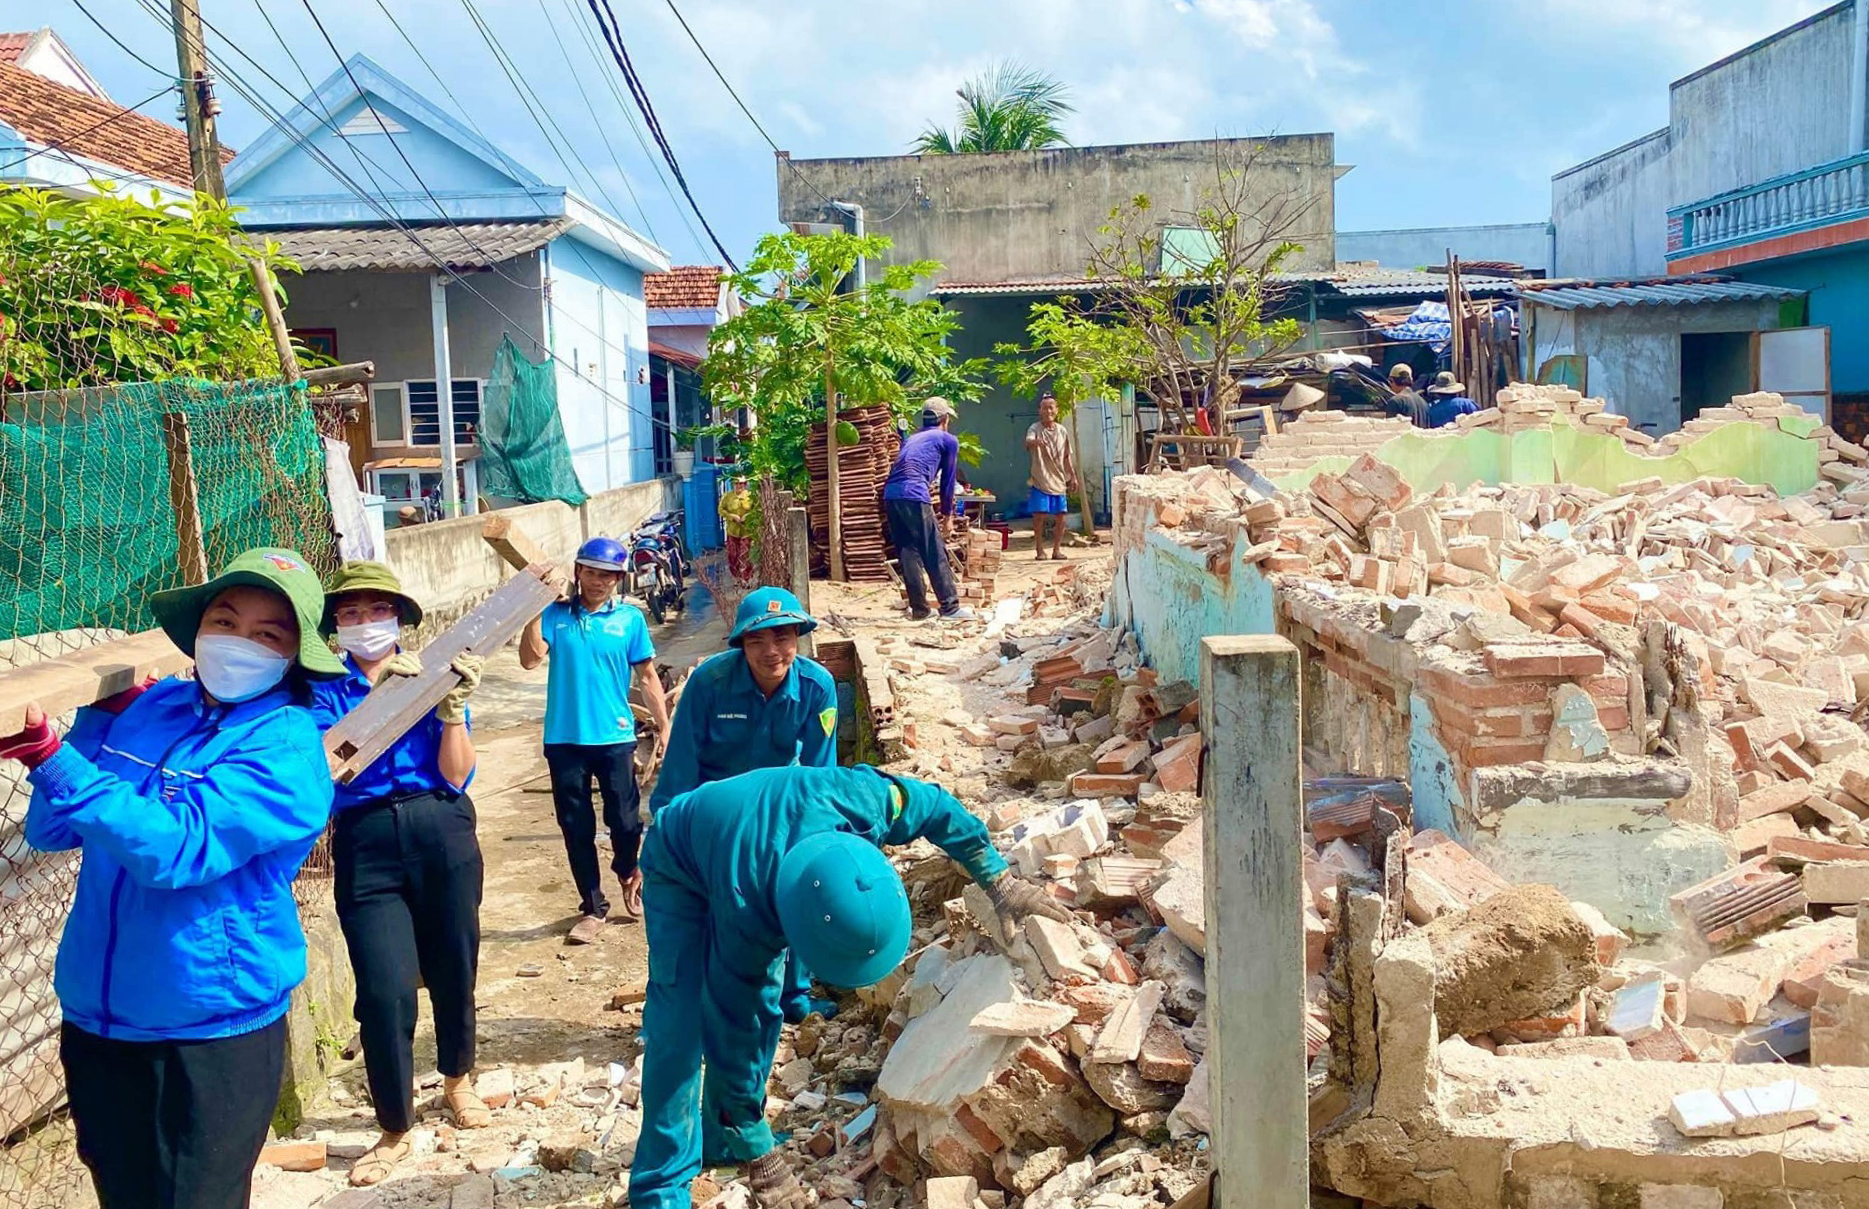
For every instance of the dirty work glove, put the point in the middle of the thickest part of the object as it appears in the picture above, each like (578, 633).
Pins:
(34, 745)
(773, 1184)
(453, 708)
(116, 703)
(403, 663)
(1014, 899)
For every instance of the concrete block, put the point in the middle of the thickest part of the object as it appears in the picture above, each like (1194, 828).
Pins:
(1837, 882)
(1023, 1018)
(1773, 1108)
(1701, 1114)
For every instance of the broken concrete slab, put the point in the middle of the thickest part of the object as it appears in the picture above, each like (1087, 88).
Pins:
(1122, 1087)
(1023, 1018)
(1731, 988)
(1122, 1034)
(1517, 955)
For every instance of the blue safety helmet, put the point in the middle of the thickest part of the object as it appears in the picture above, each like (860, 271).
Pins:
(766, 608)
(603, 553)
(843, 909)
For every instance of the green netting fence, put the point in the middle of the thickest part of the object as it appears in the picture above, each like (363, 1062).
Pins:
(524, 454)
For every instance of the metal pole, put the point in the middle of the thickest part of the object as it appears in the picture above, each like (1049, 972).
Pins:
(669, 380)
(444, 394)
(198, 104)
(1255, 930)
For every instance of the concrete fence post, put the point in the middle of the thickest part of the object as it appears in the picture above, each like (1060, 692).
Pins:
(1255, 932)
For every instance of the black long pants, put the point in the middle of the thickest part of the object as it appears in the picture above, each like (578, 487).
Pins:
(408, 897)
(613, 767)
(173, 1124)
(919, 548)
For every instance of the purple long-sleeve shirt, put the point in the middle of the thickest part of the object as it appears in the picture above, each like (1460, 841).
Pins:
(929, 453)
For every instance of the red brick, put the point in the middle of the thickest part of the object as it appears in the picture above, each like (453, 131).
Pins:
(294, 1156)
(1096, 784)
(1618, 609)
(1580, 664)
(1120, 970)
(1588, 624)
(1047, 1063)
(1480, 691)
(1743, 755)
(1493, 723)
(1614, 717)
(1523, 662)
(1567, 630)
(1481, 753)
(967, 1119)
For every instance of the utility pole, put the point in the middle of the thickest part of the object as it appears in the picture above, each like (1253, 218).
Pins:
(198, 104)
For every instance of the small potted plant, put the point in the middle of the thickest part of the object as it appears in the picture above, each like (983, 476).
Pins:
(684, 450)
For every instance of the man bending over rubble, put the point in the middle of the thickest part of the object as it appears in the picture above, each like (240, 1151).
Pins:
(735, 873)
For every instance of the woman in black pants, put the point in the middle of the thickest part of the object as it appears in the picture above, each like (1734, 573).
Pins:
(408, 869)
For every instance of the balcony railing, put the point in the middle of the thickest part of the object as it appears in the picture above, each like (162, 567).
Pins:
(1799, 201)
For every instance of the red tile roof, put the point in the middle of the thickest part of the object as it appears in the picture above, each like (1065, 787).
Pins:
(12, 46)
(688, 287)
(48, 112)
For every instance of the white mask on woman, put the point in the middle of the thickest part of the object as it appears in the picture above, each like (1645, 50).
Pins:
(233, 669)
(372, 639)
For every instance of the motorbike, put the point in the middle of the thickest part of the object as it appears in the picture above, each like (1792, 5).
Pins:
(658, 567)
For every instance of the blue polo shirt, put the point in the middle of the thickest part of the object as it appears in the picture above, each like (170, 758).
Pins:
(593, 657)
(409, 767)
(724, 725)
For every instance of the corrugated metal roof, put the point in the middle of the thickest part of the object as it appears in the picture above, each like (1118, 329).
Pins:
(1655, 293)
(987, 288)
(1407, 282)
(391, 249)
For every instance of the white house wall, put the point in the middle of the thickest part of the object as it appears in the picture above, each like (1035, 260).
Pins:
(600, 335)
(1610, 213)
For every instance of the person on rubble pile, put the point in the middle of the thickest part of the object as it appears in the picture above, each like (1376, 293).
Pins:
(1049, 446)
(737, 872)
(408, 867)
(916, 526)
(597, 644)
(1405, 402)
(1447, 401)
(193, 800)
(759, 704)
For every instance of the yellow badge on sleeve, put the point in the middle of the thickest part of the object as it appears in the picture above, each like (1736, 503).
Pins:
(895, 801)
(828, 719)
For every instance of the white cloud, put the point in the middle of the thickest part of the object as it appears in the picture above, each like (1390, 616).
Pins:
(1692, 33)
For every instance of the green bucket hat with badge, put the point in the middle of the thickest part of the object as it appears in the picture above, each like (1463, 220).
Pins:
(366, 576)
(178, 611)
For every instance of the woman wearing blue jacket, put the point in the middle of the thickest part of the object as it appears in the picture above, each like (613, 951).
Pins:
(194, 801)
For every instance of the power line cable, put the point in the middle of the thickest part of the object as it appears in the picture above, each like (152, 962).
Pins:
(721, 76)
(616, 161)
(164, 72)
(62, 144)
(614, 39)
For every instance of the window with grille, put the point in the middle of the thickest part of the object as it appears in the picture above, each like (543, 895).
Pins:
(425, 412)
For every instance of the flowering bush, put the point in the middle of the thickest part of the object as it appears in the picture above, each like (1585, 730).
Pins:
(102, 290)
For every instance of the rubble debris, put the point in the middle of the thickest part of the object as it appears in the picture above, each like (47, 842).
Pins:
(1519, 954)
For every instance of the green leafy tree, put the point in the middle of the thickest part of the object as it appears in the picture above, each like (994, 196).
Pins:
(106, 289)
(1010, 107)
(805, 344)
(1178, 321)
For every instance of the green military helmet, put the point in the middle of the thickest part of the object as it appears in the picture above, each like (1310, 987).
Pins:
(766, 608)
(843, 909)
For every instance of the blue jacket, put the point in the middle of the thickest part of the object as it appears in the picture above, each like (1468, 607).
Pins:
(724, 726)
(193, 820)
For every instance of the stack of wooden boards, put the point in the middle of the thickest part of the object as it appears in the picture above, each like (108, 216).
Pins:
(861, 469)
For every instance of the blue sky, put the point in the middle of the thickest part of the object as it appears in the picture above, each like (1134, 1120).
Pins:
(1451, 111)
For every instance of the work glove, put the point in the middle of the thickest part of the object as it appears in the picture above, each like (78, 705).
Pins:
(1014, 899)
(403, 663)
(34, 745)
(116, 703)
(773, 1184)
(453, 708)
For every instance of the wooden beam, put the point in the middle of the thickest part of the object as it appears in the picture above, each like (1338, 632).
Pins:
(341, 375)
(275, 320)
(190, 553)
(397, 703)
(516, 546)
(82, 677)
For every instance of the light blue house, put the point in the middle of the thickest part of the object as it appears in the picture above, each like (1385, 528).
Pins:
(424, 249)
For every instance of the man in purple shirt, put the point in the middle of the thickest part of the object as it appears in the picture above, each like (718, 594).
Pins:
(908, 505)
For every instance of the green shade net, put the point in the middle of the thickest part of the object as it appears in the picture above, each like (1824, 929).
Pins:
(524, 455)
(87, 530)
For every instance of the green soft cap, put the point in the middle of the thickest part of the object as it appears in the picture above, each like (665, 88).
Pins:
(178, 611)
(366, 576)
(843, 909)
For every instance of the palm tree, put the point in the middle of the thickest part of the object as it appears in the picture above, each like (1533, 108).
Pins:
(1011, 107)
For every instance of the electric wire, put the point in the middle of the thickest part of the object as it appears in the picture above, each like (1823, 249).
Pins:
(63, 143)
(164, 72)
(614, 39)
(603, 132)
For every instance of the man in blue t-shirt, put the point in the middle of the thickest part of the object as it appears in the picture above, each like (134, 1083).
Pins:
(930, 456)
(597, 645)
(1447, 401)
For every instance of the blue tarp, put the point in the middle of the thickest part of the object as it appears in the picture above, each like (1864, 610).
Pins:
(1429, 324)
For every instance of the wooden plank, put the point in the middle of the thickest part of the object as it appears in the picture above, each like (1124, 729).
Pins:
(399, 702)
(184, 500)
(341, 375)
(82, 677)
(513, 543)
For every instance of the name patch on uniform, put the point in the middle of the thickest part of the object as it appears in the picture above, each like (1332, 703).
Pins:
(731, 717)
(827, 718)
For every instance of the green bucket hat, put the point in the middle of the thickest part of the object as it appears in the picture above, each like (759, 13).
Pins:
(366, 576)
(178, 611)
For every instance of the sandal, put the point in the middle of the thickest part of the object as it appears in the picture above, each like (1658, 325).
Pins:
(467, 1108)
(380, 1161)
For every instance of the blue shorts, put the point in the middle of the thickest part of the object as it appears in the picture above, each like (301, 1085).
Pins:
(1040, 503)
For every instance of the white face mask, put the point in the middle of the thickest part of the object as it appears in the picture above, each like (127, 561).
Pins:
(372, 639)
(233, 669)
